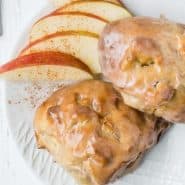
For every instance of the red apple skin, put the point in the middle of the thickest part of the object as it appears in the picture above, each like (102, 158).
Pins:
(58, 34)
(80, 13)
(44, 58)
(54, 13)
(74, 2)
(117, 2)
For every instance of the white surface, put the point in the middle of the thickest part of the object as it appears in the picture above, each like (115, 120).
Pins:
(165, 165)
(171, 9)
(16, 15)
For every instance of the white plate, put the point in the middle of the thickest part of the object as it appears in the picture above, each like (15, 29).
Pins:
(164, 165)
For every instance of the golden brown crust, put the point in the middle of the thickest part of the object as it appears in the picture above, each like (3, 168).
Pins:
(90, 131)
(145, 58)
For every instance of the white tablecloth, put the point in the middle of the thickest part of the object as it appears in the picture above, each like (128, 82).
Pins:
(16, 16)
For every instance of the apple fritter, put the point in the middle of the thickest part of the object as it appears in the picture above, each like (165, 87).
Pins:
(91, 132)
(145, 58)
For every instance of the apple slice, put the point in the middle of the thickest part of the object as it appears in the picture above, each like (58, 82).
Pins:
(45, 66)
(104, 9)
(66, 21)
(82, 45)
(59, 3)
